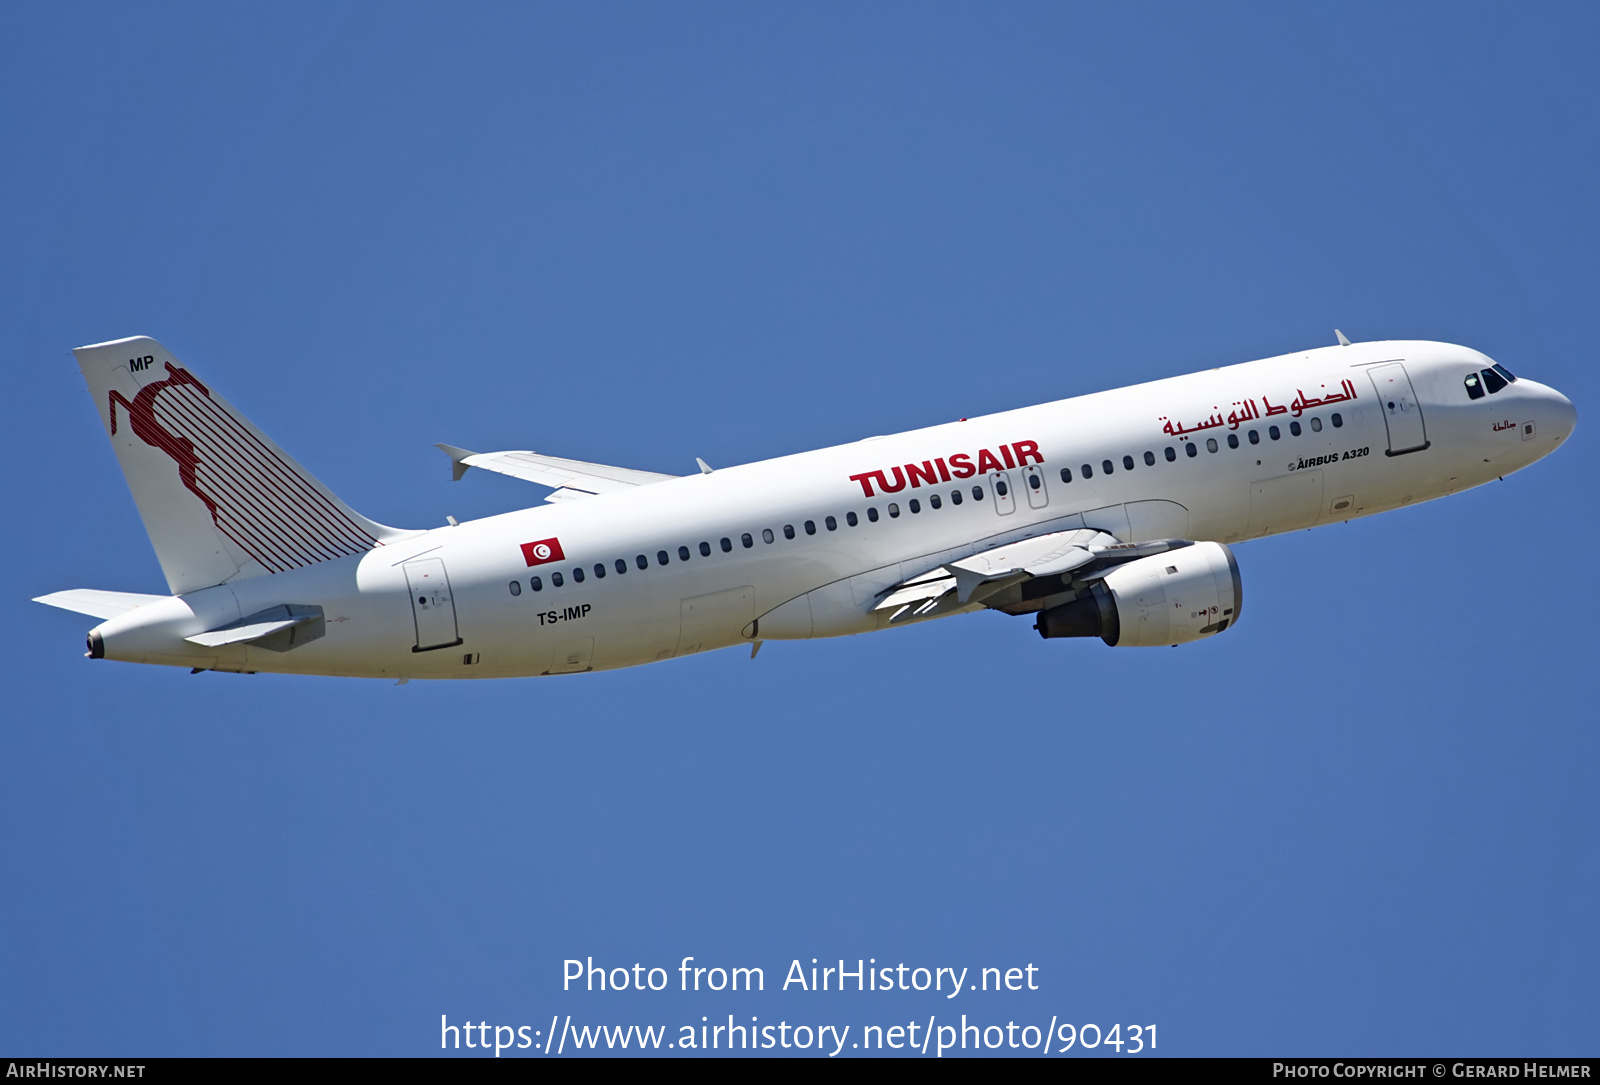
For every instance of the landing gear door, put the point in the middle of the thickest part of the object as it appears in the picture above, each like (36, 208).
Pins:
(433, 608)
(1401, 413)
(1005, 499)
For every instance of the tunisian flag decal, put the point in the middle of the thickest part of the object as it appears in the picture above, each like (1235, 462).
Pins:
(543, 551)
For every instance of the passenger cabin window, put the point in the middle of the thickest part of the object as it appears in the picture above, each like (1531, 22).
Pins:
(642, 562)
(830, 523)
(1211, 444)
(726, 544)
(577, 574)
(1316, 424)
(1034, 480)
(872, 513)
(894, 510)
(536, 584)
(1066, 474)
(850, 518)
(977, 493)
(767, 535)
(811, 527)
(1493, 381)
(1087, 471)
(1171, 453)
(914, 505)
(934, 502)
(1149, 459)
(516, 587)
(746, 541)
(683, 553)
(1105, 465)
(662, 558)
(1274, 432)
(1233, 440)
(1294, 428)
(555, 580)
(1190, 449)
(1000, 487)
(788, 531)
(1337, 419)
(622, 566)
(1255, 437)
(955, 497)
(705, 549)
(599, 570)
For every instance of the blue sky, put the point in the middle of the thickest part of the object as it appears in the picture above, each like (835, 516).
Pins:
(1362, 821)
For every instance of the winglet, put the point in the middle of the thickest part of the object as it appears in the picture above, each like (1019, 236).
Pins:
(458, 456)
(705, 468)
(1343, 342)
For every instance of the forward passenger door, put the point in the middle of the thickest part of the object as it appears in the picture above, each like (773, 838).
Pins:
(1401, 412)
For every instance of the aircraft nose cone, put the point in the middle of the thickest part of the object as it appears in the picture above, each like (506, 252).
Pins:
(1562, 415)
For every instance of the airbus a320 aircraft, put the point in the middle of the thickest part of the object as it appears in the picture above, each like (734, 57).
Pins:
(1107, 515)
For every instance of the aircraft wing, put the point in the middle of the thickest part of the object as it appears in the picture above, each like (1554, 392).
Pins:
(1083, 552)
(569, 478)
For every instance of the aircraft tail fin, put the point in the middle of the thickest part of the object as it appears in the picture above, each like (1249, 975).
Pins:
(220, 500)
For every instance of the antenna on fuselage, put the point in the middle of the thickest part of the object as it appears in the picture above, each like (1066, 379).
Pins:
(1343, 342)
(705, 468)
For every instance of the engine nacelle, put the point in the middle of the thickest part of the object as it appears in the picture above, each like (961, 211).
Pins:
(1171, 598)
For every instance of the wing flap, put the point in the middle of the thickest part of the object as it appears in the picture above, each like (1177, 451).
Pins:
(1083, 552)
(986, 573)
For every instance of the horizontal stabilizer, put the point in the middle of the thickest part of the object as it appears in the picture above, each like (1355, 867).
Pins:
(562, 475)
(278, 628)
(96, 603)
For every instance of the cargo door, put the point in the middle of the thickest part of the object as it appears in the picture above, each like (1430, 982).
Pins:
(1401, 413)
(572, 656)
(433, 608)
(1285, 503)
(715, 620)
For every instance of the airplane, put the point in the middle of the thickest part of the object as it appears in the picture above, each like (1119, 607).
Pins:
(1107, 515)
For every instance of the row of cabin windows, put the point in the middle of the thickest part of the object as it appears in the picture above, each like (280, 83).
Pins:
(1191, 450)
(1492, 380)
(747, 540)
(935, 500)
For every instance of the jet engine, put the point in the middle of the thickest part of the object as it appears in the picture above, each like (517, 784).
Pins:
(1166, 599)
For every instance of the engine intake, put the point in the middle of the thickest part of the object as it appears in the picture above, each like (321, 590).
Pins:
(1166, 599)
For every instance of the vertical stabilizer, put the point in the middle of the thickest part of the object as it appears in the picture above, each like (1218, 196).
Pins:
(220, 500)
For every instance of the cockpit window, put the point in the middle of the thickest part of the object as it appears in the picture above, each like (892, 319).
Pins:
(1504, 372)
(1474, 386)
(1493, 381)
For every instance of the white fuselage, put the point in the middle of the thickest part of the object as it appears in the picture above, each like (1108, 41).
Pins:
(820, 581)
